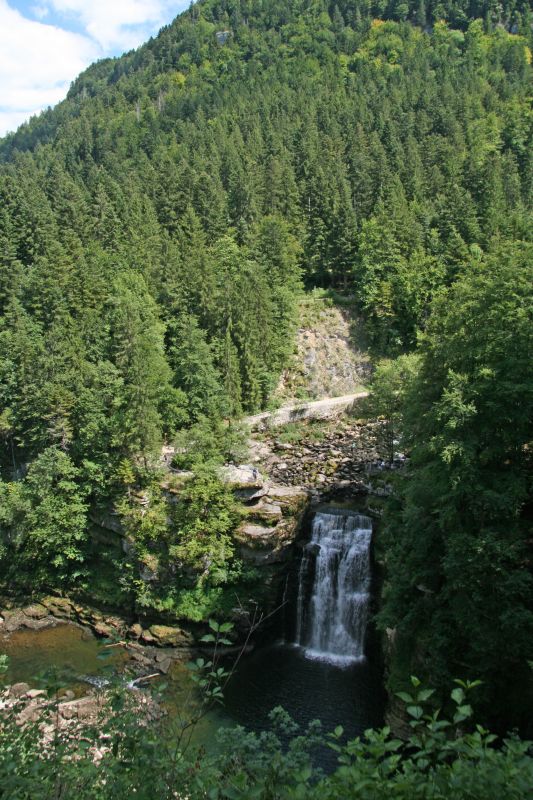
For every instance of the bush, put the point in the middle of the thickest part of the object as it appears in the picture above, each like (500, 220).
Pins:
(442, 759)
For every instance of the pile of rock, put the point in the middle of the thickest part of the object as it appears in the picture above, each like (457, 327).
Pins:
(158, 647)
(29, 705)
(342, 455)
(69, 715)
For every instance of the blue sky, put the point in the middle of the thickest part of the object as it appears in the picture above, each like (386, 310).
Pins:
(44, 44)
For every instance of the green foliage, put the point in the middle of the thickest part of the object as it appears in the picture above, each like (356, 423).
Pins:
(155, 231)
(194, 372)
(391, 383)
(210, 440)
(43, 523)
(136, 343)
(459, 549)
(441, 758)
(205, 517)
(180, 556)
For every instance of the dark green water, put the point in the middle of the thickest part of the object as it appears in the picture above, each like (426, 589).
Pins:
(307, 689)
(281, 675)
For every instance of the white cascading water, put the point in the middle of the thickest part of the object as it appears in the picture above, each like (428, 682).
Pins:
(332, 613)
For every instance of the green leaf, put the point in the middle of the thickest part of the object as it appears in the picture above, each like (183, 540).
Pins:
(415, 711)
(226, 627)
(405, 697)
(458, 695)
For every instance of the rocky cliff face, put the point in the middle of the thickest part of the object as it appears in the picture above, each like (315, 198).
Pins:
(272, 515)
(329, 359)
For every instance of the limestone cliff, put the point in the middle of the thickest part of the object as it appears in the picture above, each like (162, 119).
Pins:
(329, 358)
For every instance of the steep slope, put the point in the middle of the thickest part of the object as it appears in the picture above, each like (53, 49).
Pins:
(155, 232)
(329, 358)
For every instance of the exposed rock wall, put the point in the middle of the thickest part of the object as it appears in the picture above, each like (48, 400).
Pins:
(330, 359)
(273, 515)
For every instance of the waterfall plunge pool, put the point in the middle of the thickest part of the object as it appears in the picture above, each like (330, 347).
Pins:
(350, 695)
(326, 668)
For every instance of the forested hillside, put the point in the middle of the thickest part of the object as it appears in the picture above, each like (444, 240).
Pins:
(156, 230)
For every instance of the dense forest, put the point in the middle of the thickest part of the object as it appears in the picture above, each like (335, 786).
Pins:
(156, 230)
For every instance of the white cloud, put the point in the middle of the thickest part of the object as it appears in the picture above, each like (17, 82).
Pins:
(38, 60)
(118, 24)
(37, 64)
(40, 11)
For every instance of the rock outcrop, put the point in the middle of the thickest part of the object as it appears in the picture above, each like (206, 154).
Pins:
(330, 358)
(273, 515)
(53, 610)
(69, 715)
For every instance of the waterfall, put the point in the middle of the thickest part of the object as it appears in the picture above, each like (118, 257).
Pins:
(334, 587)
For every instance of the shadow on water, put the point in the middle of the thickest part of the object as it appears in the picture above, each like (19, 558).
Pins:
(327, 611)
(308, 689)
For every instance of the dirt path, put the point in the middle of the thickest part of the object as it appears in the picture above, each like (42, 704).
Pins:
(326, 408)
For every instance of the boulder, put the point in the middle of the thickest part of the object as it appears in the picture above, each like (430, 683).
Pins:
(108, 626)
(146, 637)
(251, 493)
(140, 656)
(19, 689)
(135, 631)
(164, 665)
(33, 694)
(292, 499)
(271, 509)
(102, 629)
(15, 620)
(243, 476)
(165, 635)
(59, 607)
(261, 545)
(18, 618)
(30, 713)
(255, 533)
(36, 611)
(266, 512)
(85, 708)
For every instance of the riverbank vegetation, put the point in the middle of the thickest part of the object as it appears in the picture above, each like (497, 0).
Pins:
(458, 533)
(118, 757)
(157, 230)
